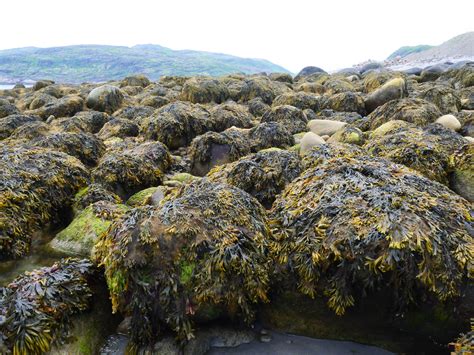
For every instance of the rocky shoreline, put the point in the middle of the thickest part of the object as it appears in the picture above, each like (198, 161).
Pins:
(333, 206)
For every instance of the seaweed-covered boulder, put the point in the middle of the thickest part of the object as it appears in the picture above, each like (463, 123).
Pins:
(354, 226)
(8, 124)
(325, 127)
(444, 97)
(300, 99)
(461, 178)
(80, 236)
(257, 107)
(202, 250)
(35, 308)
(91, 194)
(393, 89)
(135, 80)
(432, 72)
(42, 84)
(133, 169)
(291, 117)
(203, 90)
(282, 77)
(345, 102)
(212, 148)
(63, 107)
(137, 114)
(263, 87)
(106, 98)
(91, 121)
(337, 85)
(331, 150)
(270, 134)
(308, 141)
(462, 77)
(348, 134)
(177, 124)
(230, 114)
(37, 100)
(8, 109)
(426, 151)
(36, 185)
(375, 79)
(308, 71)
(154, 101)
(119, 127)
(84, 146)
(417, 111)
(263, 175)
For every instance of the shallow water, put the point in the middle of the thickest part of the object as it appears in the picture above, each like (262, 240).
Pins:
(40, 255)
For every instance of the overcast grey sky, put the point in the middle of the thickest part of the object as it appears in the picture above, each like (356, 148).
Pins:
(293, 33)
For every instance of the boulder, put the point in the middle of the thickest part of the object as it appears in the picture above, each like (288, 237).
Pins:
(354, 226)
(426, 150)
(263, 175)
(309, 140)
(417, 111)
(212, 149)
(177, 124)
(42, 84)
(8, 124)
(133, 169)
(118, 127)
(135, 80)
(202, 252)
(393, 89)
(291, 117)
(8, 110)
(461, 178)
(306, 71)
(301, 100)
(106, 98)
(345, 102)
(270, 135)
(444, 97)
(91, 194)
(263, 87)
(230, 114)
(433, 72)
(449, 121)
(203, 90)
(64, 107)
(281, 77)
(37, 185)
(257, 107)
(323, 127)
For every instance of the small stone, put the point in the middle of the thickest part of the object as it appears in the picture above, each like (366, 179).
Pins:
(449, 121)
(325, 127)
(310, 140)
(266, 338)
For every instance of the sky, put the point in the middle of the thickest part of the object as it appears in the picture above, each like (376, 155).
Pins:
(331, 34)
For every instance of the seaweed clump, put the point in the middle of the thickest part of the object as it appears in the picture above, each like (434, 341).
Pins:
(35, 185)
(263, 175)
(35, 307)
(352, 225)
(203, 250)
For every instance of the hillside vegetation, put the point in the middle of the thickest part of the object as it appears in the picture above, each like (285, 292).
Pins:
(75, 64)
(407, 50)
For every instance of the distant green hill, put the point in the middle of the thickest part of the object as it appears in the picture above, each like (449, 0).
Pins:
(93, 63)
(407, 50)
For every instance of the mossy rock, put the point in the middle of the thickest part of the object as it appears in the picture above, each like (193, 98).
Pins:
(91, 194)
(142, 198)
(79, 238)
(270, 134)
(348, 134)
(301, 100)
(203, 90)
